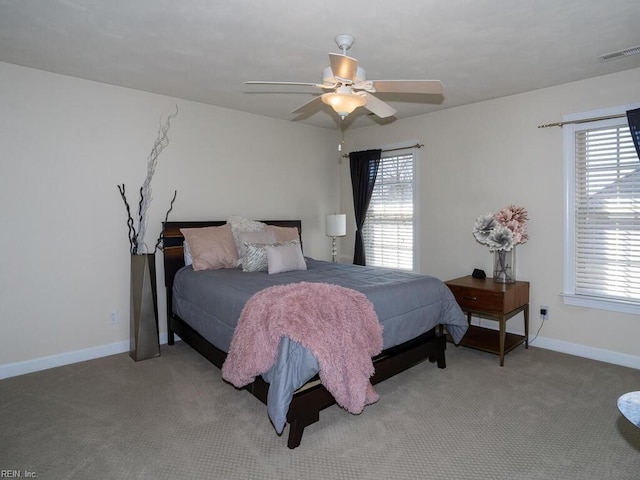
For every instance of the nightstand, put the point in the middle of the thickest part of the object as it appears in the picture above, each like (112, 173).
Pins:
(497, 301)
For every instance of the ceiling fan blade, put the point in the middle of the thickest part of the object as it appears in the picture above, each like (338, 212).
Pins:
(377, 106)
(309, 107)
(344, 68)
(260, 82)
(433, 87)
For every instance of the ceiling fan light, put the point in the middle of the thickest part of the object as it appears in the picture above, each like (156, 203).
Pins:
(343, 103)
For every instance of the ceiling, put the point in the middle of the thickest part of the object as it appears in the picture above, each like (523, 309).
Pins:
(203, 50)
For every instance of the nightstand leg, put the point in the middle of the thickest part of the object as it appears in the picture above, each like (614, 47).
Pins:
(526, 326)
(503, 327)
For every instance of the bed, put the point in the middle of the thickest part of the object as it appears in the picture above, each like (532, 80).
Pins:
(203, 316)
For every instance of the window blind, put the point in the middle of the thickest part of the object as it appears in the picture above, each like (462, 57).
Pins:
(388, 228)
(607, 214)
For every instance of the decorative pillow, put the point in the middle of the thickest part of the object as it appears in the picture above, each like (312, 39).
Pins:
(242, 224)
(255, 258)
(284, 258)
(211, 247)
(263, 237)
(188, 260)
(283, 234)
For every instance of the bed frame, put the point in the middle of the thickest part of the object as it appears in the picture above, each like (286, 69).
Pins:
(309, 400)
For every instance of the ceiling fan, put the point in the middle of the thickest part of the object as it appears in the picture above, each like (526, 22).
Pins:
(347, 87)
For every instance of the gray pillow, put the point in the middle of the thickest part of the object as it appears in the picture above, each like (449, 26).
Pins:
(264, 237)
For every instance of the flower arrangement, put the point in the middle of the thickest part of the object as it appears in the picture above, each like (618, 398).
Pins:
(136, 235)
(503, 230)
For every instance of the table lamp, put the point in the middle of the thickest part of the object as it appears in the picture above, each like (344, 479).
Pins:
(335, 226)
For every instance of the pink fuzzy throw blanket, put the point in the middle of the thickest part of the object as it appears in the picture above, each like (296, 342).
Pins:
(338, 325)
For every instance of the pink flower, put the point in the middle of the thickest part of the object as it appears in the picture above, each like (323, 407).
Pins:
(515, 219)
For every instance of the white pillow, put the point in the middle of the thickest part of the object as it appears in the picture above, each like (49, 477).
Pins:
(285, 258)
(188, 259)
(242, 224)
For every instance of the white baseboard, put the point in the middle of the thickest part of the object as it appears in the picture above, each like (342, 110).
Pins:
(44, 363)
(602, 355)
(584, 351)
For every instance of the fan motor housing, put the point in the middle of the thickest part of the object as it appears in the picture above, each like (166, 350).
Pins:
(329, 79)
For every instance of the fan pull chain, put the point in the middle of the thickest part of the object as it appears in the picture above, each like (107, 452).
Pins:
(340, 135)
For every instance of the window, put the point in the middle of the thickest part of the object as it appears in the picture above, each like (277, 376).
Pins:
(388, 230)
(602, 237)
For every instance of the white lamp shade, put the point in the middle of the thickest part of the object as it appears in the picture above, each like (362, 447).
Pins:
(336, 224)
(343, 103)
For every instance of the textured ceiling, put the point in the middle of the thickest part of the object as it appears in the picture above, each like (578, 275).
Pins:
(203, 50)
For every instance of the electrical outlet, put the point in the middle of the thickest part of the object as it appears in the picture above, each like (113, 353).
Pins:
(544, 312)
(115, 317)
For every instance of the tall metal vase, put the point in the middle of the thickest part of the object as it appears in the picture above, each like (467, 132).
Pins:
(144, 341)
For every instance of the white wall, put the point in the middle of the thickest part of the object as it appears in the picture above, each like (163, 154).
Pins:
(482, 157)
(66, 143)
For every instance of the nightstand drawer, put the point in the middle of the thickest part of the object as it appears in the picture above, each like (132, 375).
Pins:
(478, 299)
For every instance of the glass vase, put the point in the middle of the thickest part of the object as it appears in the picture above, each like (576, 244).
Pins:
(504, 266)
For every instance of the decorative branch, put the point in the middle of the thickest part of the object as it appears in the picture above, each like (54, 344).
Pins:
(162, 141)
(160, 242)
(130, 224)
(141, 223)
(136, 238)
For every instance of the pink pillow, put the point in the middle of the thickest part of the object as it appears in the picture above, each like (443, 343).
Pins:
(211, 248)
(283, 234)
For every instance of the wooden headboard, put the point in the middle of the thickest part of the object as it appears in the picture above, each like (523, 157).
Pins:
(174, 253)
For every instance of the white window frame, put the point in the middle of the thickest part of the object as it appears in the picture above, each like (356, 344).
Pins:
(398, 150)
(569, 278)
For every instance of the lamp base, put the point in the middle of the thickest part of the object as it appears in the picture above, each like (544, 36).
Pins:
(334, 251)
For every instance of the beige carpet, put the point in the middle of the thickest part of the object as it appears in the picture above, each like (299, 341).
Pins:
(544, 415)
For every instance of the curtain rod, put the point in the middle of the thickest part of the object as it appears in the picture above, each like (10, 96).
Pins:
(584, 120)
(417, 145)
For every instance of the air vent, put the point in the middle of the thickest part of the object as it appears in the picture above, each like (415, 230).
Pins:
(619, 54)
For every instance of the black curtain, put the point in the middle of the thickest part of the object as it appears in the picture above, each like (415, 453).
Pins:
(633, 117)
(364, 170)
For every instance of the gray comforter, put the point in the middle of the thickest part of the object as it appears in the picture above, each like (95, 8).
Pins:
(407, 305)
